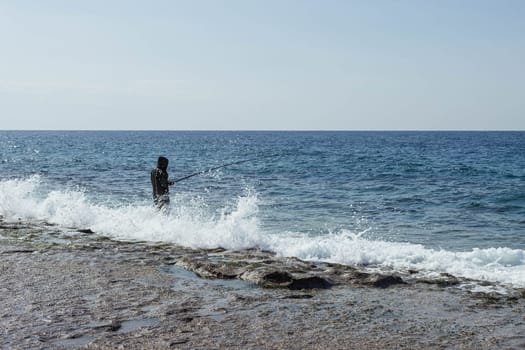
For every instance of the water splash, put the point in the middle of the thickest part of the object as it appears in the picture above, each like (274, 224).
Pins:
(192, 223)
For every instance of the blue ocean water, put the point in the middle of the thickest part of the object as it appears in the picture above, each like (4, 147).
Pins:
(442, 201)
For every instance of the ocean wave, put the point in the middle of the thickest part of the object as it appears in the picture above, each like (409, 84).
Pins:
(502, 265)
(236, 225)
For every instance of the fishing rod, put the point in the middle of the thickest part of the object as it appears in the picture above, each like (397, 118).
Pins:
(222, 166)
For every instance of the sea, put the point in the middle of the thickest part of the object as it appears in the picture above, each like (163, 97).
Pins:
(441, 202)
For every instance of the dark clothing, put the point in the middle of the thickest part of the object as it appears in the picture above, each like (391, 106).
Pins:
(160, 183)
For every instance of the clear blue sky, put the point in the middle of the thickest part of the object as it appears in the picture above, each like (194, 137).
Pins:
(247, 64)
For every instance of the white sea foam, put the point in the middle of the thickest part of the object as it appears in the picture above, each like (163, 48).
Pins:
(236, 226)
(503, 265)
(189, 222)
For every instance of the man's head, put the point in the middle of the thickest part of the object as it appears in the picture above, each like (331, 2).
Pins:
(162, 163)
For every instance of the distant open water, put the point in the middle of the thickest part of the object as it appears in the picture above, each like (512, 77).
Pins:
(436, 201)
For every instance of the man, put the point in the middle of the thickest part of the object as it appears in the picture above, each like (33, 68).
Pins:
(160, 183)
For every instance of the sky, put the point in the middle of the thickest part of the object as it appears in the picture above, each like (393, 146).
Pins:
(262, 65)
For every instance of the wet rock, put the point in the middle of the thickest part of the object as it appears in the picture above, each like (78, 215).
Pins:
(493, 299)
(87, 230)
(357, 275)
(277, 277)
(382, 281)
(442, 282)
(268, 279)
(176, 342)
(71, 336)
(16, 251)
(314, 282)
(72, 286)
(115, 325)
(298, 296)
(204, 268)
(186, 319)
(284, 279)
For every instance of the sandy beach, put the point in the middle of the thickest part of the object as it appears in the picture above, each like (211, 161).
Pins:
(102, 294)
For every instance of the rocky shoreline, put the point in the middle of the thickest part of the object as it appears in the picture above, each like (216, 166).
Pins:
(62, 290)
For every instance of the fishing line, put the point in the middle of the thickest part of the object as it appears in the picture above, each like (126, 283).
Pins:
(222, 166)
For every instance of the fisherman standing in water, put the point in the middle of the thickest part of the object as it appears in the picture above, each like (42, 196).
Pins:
(160, 183)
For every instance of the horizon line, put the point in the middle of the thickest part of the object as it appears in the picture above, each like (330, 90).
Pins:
(272, 130)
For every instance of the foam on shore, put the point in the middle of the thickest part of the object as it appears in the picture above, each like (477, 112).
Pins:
(236, 226)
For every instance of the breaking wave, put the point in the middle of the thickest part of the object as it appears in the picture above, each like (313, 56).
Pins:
(235, 225)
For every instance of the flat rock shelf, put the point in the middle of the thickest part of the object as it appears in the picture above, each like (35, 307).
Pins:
(73, 292)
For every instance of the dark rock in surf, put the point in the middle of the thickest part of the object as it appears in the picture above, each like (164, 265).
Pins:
(313, 282)
(442, 282)
(382, 281)
(284, 279)
(204, 268)
(268, 279)
(277, 277)
(86, 230)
